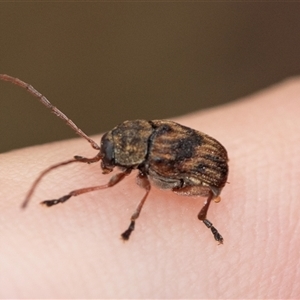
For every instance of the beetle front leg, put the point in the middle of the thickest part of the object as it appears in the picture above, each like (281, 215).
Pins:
(53, 167)
(113, 181)
(202, 217)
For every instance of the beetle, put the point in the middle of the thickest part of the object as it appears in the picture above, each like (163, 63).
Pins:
(164, 153)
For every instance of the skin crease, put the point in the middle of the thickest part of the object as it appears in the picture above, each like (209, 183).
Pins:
(73, 250)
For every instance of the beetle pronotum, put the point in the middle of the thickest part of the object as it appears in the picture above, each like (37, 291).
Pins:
(165, 153)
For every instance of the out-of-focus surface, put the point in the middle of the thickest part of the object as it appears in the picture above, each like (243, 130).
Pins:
(102, 63)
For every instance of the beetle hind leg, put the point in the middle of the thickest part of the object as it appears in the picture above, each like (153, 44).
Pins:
(202, 217)
(214, 231)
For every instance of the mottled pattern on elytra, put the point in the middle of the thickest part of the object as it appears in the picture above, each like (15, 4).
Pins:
(177, 151)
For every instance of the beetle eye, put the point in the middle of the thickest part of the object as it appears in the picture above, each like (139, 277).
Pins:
(107, 150)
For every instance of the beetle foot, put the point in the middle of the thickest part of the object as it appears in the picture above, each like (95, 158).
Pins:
(56, 201)
(218, 237)
(126, 234)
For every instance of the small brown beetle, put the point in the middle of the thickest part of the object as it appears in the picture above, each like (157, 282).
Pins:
(167, 154)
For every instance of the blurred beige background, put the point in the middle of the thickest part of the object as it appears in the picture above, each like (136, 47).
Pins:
(102, 63)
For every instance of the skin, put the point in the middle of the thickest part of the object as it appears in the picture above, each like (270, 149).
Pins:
(73, 250)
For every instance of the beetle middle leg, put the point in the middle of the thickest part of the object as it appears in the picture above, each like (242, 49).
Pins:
(202, 217)
(113, 181)
(143, 181)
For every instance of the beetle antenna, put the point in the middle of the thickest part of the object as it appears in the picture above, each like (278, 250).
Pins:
(47, 103)
(46, 171)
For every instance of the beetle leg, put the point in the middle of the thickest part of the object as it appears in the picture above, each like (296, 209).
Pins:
(88, 160)
(113, 181)
(202, 217)
(46, 171)
(143, 181)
